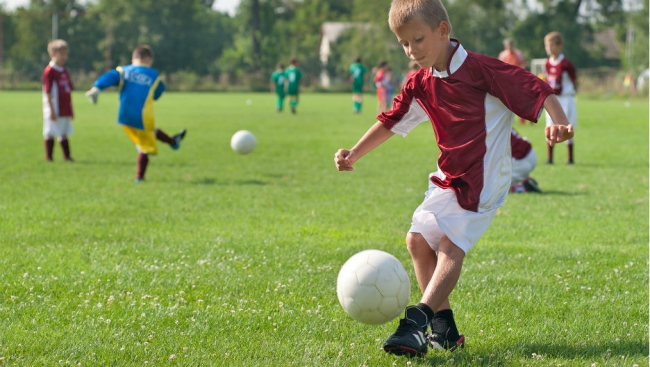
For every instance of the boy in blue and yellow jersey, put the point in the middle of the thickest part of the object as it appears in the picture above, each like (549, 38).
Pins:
(139, 85)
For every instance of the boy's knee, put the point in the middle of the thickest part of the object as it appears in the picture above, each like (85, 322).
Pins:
(416, 243)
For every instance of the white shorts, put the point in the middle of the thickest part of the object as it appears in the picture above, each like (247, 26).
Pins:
(439, 214)
(61, 127)
(521, 168)
(568, 104)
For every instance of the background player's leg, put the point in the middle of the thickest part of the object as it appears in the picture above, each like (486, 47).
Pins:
(280, 103)
(162, 136)
(49, 148)
(143, 160)
(549, 153)
(65, 146)
(570, 152)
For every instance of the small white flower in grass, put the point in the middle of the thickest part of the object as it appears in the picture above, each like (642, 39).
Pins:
(122, 348)
(593, 364)
(172, 357)
(408, 363)
(99, 305)
(351, 345)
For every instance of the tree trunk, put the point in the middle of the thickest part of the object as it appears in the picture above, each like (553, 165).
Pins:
(255, 29)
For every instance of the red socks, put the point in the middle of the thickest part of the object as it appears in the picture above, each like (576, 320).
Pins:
(160, 135)
(143, 160)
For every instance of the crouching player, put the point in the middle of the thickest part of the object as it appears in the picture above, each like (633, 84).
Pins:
(139, 85)
(524, 161)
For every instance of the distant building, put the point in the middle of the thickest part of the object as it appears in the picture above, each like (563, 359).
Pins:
(329, 33)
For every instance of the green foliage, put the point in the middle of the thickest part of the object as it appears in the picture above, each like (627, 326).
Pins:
(187, 36)
(227, 260)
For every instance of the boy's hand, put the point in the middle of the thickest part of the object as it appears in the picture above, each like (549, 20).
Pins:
(93, 95)
(53, 116)
(558, 133)
(343, 160)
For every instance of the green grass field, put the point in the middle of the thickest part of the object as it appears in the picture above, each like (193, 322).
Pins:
(221, 259)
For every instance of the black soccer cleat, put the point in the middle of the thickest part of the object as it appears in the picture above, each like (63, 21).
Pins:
(410, 337)
(439, 341)
(177, 139)
(531, 185)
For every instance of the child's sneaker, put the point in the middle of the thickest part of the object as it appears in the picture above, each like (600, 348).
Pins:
(409, 339)
(531, 185)
(177, 139)
(439, 341)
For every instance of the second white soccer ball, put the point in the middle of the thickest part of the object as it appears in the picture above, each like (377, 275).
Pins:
(373, 287)
(243, 142)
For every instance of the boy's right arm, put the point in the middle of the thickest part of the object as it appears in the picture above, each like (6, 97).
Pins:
(375, 136)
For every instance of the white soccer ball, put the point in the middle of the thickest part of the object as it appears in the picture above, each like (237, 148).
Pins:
(243, 142)
(373, 287)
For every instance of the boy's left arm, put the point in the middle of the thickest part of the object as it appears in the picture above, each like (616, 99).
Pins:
(159, 90)
(561, 130)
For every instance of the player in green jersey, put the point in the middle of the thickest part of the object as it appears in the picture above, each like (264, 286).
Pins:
(293, 88)
(278, 81)
(358, 79)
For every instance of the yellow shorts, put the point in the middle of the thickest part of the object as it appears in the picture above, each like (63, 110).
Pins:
(145, 140)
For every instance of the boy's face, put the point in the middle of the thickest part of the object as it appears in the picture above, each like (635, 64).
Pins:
(425, 46)
(552, 48)
(59, 57)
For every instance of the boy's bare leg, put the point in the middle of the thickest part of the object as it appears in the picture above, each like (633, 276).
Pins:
(437, 274)
(424, 263)
(445, 275)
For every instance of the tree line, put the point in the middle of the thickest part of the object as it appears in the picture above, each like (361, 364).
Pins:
(189, 37)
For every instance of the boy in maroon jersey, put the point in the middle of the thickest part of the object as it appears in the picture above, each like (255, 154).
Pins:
(470, 100)
(561, 76)
(57, 102)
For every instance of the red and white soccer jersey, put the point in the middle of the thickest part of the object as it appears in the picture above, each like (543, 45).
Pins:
(56, 82)
(561, 75)
(470, 106)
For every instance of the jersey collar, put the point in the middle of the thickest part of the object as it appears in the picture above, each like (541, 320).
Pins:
(56, 67)
(556, 61)
(456, 59)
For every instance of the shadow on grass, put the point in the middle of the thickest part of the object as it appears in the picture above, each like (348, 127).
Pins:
(213, 181)
(599, 350)
(613, 351)
(105, 163)
(563, 193)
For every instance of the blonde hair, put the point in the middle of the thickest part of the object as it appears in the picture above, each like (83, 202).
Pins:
(554, 37)
(56, 46)
(431, 12)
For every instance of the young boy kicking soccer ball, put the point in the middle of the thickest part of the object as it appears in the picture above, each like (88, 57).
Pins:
(470, 100)
(139, 85)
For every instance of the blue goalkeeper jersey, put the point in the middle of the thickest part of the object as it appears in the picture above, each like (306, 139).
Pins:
(139, 86)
